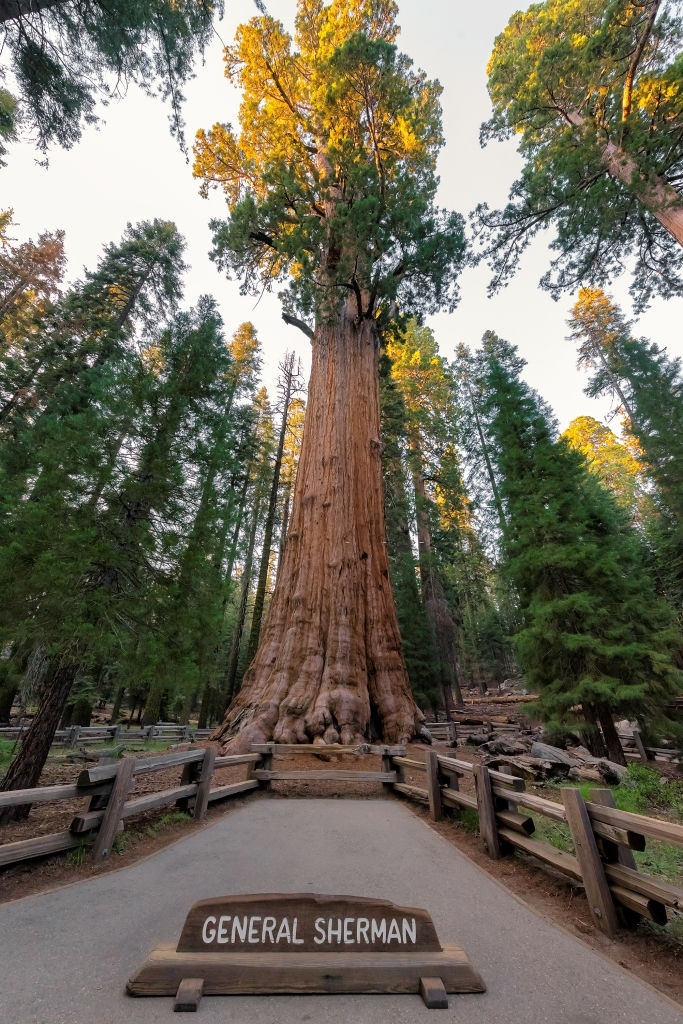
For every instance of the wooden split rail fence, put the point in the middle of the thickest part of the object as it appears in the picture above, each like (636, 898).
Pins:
(77, 735)
(604, 838)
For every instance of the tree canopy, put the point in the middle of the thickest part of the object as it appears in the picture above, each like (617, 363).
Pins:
(64, 55)
(593, 92)
(331, 181)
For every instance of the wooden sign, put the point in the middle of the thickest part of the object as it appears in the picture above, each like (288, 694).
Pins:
(276, 943)
(306, 924)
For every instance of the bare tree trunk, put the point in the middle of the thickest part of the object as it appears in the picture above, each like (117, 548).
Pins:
(329, 662)
(615, 751)
(287, 384)
(439, 615)
(24, 771)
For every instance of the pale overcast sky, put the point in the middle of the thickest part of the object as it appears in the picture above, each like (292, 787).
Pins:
(131, 169)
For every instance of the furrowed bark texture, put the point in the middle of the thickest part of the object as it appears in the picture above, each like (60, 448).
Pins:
(25, 770)
(329, 666)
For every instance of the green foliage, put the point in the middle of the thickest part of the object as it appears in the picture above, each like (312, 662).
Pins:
(77, 857)
(468, 819)
(643, 790)
(8, 115)
(65, 56)
(592, 92)
(648, 386)
(120, 431)
(331, 180)
(593, 633)
(120, 843)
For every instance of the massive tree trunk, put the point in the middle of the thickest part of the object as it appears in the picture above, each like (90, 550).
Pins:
(329, 666)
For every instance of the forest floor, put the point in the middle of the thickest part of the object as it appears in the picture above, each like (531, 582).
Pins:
(653, 954)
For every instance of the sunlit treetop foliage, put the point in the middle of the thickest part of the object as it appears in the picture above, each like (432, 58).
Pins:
(330, 179)
(592, 91)
(613, 462)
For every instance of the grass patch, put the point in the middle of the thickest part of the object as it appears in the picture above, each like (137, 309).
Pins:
(167, 821)
(468, 820)
(120, 843)
(642, 791)
(645, 791)
(76, 857)
(6, 753)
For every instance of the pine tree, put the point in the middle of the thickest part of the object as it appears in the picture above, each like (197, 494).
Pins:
(649, 388)
(615, 465)
(416, 637)
(56, 562)
(594, 636)
(288, 384)
(65, 55)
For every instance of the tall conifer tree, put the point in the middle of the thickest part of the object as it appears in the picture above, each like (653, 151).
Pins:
(594, 635)
(330, 184)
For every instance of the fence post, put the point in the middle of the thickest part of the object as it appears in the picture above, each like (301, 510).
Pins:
(204, 783)
(112, 814)
(267, 765)
(631, 907)
(387, 766)
(487, 811)
(642, 752)
(600, 902)
(434, 786)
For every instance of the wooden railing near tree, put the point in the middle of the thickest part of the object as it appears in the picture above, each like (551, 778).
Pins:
(107, 790)
(604, 838)
(77, 735)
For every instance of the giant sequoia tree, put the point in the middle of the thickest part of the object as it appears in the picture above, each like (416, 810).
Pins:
(593, 92)
(330, 184)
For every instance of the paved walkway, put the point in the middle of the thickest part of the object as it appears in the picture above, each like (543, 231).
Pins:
(65, 956)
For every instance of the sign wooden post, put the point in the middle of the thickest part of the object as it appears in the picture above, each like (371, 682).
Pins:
(274, 943)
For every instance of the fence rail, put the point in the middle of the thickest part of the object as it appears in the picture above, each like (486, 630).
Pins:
(604, 838)
(77, 735)
(107, 789)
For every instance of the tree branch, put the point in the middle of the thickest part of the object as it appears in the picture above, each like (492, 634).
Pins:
(261, 236)
(293, 321)
(14, 9)
(627, 96)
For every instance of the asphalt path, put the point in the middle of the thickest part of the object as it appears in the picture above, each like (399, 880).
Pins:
(65, 956)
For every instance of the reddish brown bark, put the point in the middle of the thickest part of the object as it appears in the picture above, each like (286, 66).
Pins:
(663, 201)
(329, 666)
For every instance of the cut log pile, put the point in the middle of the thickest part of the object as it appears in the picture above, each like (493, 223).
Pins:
(539, 762)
